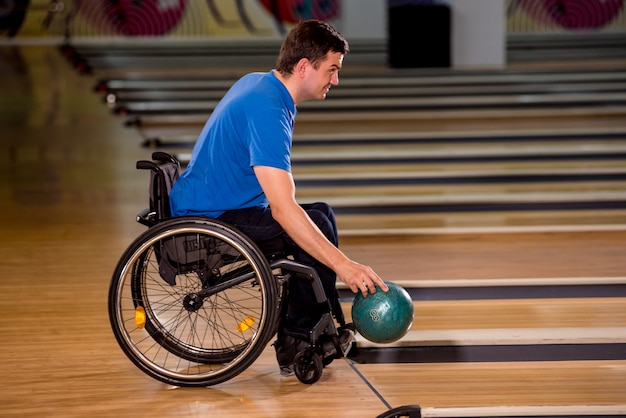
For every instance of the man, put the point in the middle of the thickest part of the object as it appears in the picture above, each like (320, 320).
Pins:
(240, 172)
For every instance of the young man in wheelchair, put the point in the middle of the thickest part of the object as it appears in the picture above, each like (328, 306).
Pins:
(240, 172)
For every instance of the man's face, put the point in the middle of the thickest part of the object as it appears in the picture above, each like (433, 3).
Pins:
(319, 81)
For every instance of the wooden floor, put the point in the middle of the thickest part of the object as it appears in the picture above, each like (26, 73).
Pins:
(69, 193)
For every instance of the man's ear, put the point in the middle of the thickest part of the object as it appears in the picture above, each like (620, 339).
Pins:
(302, 66)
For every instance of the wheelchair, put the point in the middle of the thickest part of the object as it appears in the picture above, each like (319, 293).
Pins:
(193, 302)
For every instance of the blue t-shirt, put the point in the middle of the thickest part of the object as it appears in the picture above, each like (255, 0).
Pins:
(252, 125)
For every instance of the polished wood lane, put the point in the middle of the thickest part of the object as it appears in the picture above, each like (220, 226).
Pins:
(502, 313)
(440, 256)
(527, 384)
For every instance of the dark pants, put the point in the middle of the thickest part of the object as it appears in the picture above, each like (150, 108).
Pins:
(258, 223)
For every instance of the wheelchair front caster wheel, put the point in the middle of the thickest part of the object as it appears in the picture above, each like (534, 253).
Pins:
(308, 366)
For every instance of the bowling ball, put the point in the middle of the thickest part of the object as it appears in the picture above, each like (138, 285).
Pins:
(383, 317)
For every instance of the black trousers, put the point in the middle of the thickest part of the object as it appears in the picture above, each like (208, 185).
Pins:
(258, 223)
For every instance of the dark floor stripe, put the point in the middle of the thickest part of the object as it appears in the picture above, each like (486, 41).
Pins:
(391, 139)
(489, 353)
(508, 292)
(372, 180)
(203, 110)
(302, 160)
(471, 207)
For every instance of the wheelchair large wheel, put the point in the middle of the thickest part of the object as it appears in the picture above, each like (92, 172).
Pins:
(193, 302)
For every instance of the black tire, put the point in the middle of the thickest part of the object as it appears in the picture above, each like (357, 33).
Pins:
(213, 322)
(308, 366)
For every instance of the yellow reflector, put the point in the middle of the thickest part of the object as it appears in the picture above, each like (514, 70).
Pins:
(140, 317)
(245, 324)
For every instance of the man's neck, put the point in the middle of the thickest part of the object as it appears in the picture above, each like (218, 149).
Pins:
(289, 85)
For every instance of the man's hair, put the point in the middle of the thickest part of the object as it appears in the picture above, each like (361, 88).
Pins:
(311, 39)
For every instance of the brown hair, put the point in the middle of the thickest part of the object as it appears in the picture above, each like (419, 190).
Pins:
(311, 39)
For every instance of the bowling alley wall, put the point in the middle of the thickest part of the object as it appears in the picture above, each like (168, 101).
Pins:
(53, 19)
(472, 33)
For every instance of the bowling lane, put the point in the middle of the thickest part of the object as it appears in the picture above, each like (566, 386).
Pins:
(431, 80)
(489, 315)
(451, 92)
(153, 93)
(568, 388)
(220, 56)
(520, 221)
(179, 137)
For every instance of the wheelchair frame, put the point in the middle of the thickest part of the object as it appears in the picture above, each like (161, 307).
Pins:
(194, 302)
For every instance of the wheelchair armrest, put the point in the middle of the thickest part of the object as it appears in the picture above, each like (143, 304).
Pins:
(147, 217)
(164, 157)
(146, 165)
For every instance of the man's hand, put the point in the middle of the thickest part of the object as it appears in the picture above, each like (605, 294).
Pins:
(360, 278)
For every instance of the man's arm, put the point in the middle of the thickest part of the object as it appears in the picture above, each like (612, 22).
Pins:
(279, 188)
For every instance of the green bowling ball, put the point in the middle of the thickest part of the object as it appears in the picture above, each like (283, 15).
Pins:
(383, 317)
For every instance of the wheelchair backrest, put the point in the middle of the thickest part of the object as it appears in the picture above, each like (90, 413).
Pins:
(164, 171)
